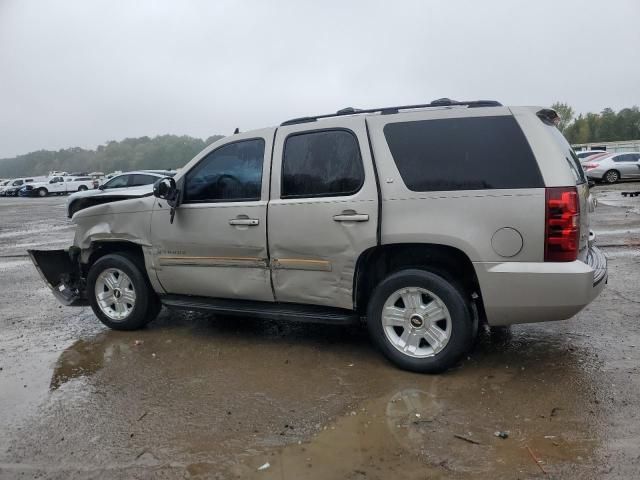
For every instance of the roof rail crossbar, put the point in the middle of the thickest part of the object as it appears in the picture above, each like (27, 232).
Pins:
(441, 102)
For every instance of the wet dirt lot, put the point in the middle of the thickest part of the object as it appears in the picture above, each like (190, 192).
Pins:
(199, 396)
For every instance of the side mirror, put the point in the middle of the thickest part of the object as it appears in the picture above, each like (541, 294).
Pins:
(165, 188)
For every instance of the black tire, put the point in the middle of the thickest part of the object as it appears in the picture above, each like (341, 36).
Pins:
(147, 304)
(611, 176)
(74, 208)
(462, 323)
(82, 188)
(42, 192)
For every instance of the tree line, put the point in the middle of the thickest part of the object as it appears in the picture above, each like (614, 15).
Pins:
(173, 151)
(606, 126)
(144, 153)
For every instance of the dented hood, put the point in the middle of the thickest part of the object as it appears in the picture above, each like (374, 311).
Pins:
(91, 198)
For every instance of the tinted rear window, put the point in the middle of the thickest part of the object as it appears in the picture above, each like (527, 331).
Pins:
(463, 154)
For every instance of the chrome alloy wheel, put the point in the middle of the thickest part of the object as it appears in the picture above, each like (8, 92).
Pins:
(416, 322)
(612, 176)
(115, 294)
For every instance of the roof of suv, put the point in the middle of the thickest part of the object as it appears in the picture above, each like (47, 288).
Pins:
(441, 102)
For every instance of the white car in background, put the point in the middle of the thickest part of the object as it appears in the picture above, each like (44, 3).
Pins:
(120, 187)
(611, 168)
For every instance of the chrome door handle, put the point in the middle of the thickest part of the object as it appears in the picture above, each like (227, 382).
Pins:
(351, 217)
(251, 222)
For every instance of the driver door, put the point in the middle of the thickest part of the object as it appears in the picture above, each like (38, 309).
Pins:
(217, 243)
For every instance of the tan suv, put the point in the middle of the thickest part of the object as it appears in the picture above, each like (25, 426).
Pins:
(423, 219)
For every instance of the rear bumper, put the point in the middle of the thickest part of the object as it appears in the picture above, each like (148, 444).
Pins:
(60, 270)
(527, 292)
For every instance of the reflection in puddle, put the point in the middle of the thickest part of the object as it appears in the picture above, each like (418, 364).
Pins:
(85, 357)
(411, 434)
(317, 402)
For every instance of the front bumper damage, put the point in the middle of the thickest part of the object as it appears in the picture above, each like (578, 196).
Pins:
(61, 271)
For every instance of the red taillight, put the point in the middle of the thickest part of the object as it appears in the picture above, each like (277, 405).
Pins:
(589, 166)
(562, 233)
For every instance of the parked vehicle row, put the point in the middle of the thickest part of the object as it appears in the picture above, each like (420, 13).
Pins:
(62, 183)
(57, 185)
(10, 188)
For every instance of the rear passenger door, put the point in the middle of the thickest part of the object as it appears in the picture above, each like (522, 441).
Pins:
(323, 211)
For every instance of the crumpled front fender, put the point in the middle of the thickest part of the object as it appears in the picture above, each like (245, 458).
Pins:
(60, 269)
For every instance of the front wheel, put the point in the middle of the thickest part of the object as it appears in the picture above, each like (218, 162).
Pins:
(120, 293)
(420, 321)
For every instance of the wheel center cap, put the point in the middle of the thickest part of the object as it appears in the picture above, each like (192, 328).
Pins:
(416, 321)
(117, 293)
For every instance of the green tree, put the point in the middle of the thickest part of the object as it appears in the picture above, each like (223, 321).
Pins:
(565, 112)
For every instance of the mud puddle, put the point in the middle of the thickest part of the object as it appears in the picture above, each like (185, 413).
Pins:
(227, 395)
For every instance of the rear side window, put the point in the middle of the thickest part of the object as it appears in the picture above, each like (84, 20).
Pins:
(463, 154)
(321, 164)
(140, 179)
(627, 157)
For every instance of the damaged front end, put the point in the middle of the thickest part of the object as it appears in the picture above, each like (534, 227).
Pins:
(61, 271)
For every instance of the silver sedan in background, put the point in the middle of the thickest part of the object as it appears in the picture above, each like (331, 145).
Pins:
(614, 167)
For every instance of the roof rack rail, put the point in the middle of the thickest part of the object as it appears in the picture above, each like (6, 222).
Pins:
(441, 102)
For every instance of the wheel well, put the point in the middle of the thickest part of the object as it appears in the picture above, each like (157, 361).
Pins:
(100, 249)
(379, 262)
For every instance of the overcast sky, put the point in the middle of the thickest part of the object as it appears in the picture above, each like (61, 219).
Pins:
(79, 73)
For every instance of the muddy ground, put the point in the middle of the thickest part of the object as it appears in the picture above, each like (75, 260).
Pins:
(199, 396)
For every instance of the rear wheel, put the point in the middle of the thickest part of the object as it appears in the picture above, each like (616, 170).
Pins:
(420, 321)
(612, 176)
(42, 192)
(120, 293)
(82, 188)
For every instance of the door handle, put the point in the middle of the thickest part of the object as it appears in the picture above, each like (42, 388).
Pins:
(351, 217)
(251, 222)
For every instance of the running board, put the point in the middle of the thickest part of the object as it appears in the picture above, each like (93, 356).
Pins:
(288, 311)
